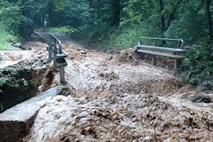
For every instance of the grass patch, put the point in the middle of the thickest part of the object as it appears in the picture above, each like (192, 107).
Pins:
(6, 39)
(65, 29)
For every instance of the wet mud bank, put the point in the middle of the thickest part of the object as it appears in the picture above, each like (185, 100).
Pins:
(20, 82)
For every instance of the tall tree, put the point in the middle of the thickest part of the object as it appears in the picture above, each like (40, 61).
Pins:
(168, 10)
(50, 13)
(163, 24)
(174, 6)
(116, 10)
(208, 14)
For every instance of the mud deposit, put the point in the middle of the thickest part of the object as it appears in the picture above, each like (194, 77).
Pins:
(114, 100)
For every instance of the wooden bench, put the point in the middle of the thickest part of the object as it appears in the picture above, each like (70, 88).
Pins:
(165, 47)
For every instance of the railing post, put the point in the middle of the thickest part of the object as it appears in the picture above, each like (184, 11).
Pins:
(62, 77)
(55, 51)
(50, 53)
(153, 59)
(54, 56)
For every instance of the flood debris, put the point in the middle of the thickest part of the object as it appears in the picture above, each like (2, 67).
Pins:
(48, 79)
(21, 46)
(121, 99)
(130, 55)
(117, 101)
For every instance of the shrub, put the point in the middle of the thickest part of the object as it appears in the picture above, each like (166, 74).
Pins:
(126, 36)
(6, 38)
(199, 65)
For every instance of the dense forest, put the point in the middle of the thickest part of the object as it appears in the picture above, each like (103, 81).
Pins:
(118, 24)
(187, 19)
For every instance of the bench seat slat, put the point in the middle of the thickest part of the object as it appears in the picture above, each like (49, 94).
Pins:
(161, 54)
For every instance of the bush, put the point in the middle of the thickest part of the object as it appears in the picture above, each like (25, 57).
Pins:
(113, 39)
(11, 16)
(13, 19)
(199, 65)
(126, 36)
(6, 38)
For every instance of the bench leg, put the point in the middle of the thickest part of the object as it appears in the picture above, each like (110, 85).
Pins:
(154, 60)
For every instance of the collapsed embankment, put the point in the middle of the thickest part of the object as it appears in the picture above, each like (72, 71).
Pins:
(20, 82)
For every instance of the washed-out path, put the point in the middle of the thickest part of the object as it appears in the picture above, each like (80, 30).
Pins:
(113, 100)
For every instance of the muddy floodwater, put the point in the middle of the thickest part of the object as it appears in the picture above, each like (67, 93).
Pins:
(112, 98)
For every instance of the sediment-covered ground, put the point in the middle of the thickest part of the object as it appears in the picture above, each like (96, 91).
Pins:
(118, 98)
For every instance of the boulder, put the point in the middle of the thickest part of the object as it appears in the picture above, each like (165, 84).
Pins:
(16, 121)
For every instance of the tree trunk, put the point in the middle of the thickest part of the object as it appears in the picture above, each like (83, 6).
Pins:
(171, 16)
(162, 16)
(50, 13)
(208, 13)
(116, 10)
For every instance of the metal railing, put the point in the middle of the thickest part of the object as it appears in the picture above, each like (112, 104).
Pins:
(155, 41)
(166, 47)
(57, 55)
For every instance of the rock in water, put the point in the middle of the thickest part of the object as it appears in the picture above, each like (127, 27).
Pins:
(151, 138)
(201, 99)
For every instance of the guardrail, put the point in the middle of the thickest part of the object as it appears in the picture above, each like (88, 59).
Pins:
(56, 54)
(162, 41)
(166, 47)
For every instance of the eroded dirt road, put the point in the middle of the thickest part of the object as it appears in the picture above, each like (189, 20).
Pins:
(114, 100)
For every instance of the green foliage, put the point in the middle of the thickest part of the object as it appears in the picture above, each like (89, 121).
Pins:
(21, 16)
(60, 4)
(137, 11)
(11, 16)
(95, 17)
(3, 81)
(15, 77)
(6, 38)
(65, 29)
(125, 37)
(73, 13)
(199, 65)
(190, 24)
(17, 83)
